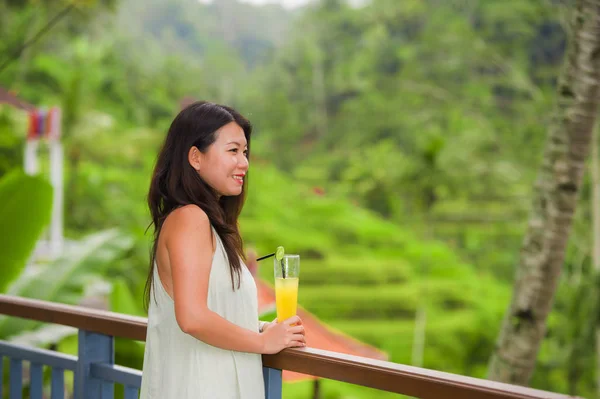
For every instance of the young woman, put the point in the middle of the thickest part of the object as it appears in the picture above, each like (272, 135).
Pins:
(204, 340)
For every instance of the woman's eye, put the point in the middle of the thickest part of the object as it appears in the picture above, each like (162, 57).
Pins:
(234, 150)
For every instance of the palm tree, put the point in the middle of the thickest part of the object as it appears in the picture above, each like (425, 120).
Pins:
(555, 199)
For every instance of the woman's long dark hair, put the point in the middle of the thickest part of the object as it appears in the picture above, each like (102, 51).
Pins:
(175, 183)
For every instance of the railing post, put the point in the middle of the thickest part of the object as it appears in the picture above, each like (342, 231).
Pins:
(93, 348)
(273, 383)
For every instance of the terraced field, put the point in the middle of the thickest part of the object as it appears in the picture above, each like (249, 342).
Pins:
(366, 277)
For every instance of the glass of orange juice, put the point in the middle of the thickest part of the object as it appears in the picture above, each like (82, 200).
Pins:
(287, 273)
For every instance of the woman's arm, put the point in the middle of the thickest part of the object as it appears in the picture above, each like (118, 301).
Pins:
(190, 250)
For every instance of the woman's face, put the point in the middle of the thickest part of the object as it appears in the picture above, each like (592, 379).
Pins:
(224, 164)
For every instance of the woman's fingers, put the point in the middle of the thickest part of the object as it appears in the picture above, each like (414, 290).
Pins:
(299, 337)
(293, 320)
(297, 329)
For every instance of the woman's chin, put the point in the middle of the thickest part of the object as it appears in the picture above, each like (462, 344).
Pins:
(234, 192)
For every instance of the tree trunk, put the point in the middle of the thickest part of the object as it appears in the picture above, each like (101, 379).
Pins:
(597, 361)
(316, 389)
(596, 240)
(418, 348)
(555, 198)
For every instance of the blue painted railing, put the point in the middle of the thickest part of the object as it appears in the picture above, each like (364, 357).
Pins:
(37, 358)
(94, 370)
(95, 373)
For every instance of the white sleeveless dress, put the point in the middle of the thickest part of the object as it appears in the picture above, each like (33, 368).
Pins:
(179, 366)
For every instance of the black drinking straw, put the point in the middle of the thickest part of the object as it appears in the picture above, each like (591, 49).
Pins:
(273, 254)
(266, 256)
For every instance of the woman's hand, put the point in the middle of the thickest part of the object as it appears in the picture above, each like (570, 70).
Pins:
(278, 336)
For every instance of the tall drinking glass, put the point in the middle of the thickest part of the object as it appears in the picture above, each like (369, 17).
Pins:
(287, 272)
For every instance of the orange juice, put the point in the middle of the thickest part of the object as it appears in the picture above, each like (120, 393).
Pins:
(286, 296)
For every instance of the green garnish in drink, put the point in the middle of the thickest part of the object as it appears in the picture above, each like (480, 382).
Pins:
(279, 253)
(279, 257)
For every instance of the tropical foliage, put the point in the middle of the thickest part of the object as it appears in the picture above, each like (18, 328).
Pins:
(395, 148)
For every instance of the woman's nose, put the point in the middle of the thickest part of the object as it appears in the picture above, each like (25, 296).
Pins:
(244, 162)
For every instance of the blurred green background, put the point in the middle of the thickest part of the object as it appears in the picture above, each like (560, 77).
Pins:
(395, 148)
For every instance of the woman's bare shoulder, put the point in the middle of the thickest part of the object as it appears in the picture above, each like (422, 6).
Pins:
(187, 219)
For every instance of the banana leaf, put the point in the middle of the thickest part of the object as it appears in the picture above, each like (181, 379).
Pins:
(25, 212)
(127, 352)
(65, 279)
(123, 301)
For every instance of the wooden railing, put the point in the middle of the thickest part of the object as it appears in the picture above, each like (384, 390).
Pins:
(95, 372)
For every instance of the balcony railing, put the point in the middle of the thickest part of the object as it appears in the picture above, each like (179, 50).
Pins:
(95, 373)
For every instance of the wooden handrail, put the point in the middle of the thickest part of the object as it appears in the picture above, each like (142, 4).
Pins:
(393, 377)
(100, 321)
(386, 376)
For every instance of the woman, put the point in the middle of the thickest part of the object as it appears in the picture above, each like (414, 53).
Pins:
(203, 338)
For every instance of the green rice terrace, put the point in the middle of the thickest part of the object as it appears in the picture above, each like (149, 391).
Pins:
(367, 277)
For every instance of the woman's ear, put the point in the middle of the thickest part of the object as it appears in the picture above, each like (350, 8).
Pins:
(195, 158)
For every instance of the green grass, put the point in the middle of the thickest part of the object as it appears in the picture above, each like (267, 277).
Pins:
(366, 277)
(355, 271)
